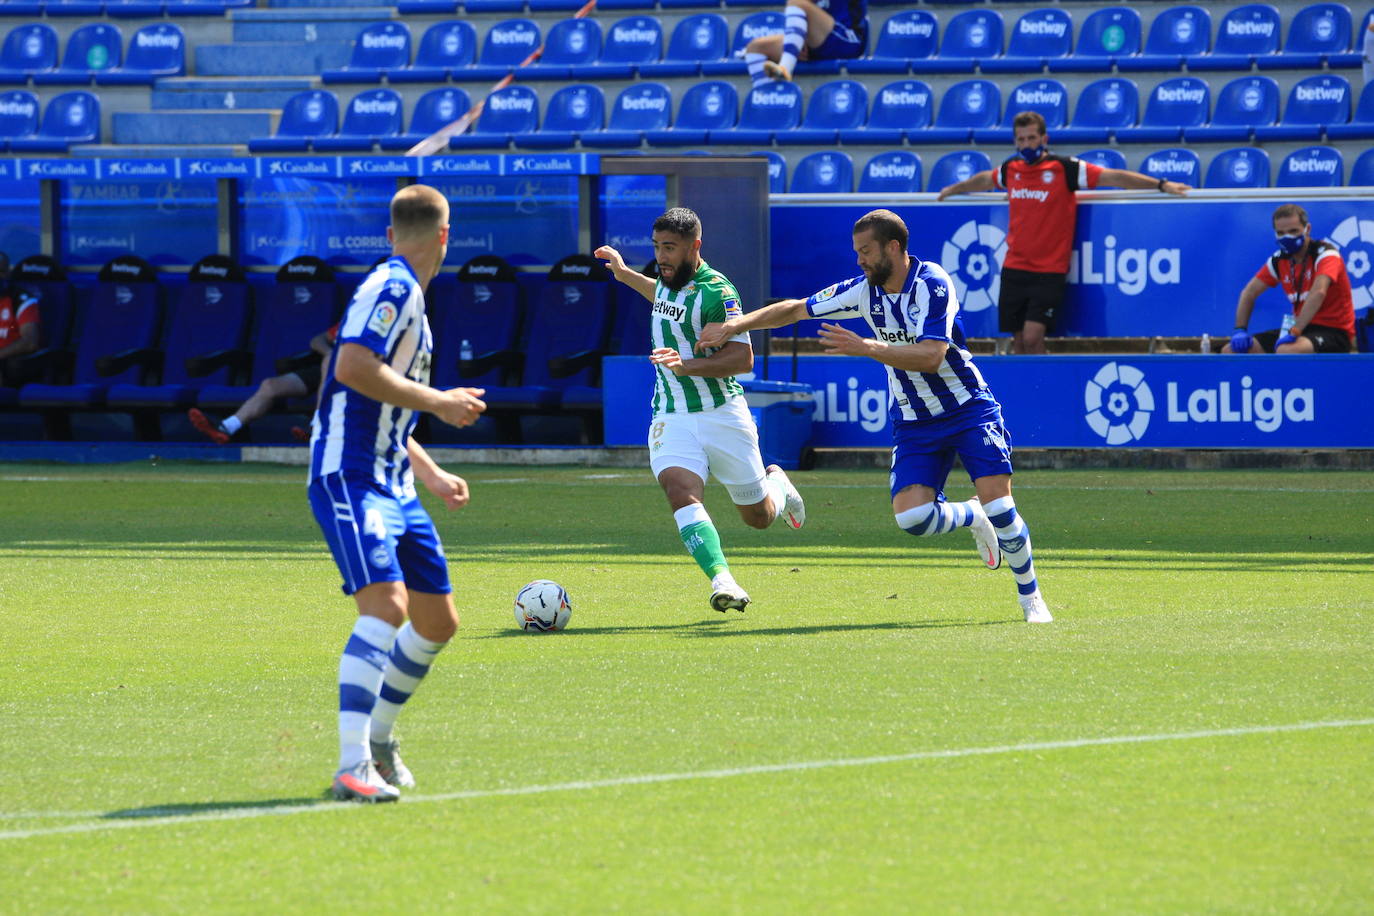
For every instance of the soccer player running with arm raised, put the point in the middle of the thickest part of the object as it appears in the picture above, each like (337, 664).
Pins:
(939, 404)
(701, 424)
(363, 466)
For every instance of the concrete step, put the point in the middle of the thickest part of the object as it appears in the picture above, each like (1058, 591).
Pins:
(305, 25)
(271, 58)
(102, 150)
(227, 93)
(192, 127)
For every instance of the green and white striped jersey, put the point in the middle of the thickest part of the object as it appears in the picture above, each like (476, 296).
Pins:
(677, 320)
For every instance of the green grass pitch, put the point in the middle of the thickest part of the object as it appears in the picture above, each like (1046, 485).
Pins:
(879, 733)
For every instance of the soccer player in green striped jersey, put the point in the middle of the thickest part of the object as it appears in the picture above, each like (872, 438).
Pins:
(701, 424)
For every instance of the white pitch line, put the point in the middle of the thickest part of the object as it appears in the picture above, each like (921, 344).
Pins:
(155, 820)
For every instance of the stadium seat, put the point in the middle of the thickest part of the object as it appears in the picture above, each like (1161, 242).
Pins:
(570, 43)
(485, 312)
(1312, 167)
(965, 107)
(1313, 103)
(1355, 56)
(1177, 164)
(18, 115)
(371, 115)
(1103, 107)
(131, 9)
(42, 276)
(630, 43)
(206, 340)
(1107, 34)
(1361, 126)
(90, 49)
(769, 108)
(1174, 104)
(955, 167)
(300, 304)
(1046, 96)
(895, 172)
(1243, 167)
(777, 171)
(306, 116)
(825, 172)
(973, 35)
(154, 51)
(1246, 34)
(1107, 158)
(1362, 172)
(434, 110)
(1177, 33)
(696, 39)
(834, 106)
(72, 117)
(572, 111)
(28, 50)
(82, 8)
(706, 108)
(507, 44)
(899, 108)
(1244, 105)
(906, 36)
(639, 108)
(445, 48)
(379, 49)
(1038, 37)
(507, 113)
(756, 25)
(1315, 32)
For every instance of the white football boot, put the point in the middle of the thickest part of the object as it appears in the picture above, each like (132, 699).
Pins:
(985, 536)
(1035, 609)
(362, 783)
(793, 509)
(727, 595)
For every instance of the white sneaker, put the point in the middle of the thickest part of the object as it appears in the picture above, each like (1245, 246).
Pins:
(362, 783)
(1035, 609)
(727, 595)
(985, 536)
(793, 509)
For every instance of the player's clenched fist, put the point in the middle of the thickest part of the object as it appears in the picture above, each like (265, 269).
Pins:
(460, 406)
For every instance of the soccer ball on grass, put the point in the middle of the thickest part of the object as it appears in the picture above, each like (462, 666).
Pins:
(542, 606)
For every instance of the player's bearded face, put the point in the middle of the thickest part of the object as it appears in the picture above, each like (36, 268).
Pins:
(879, 271)
(677, 264)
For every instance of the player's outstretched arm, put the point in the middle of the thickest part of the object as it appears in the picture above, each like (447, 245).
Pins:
(1138, 181)
(630, 277)
(716, 333)
(978, 181)
(363, 371)
(451, 488)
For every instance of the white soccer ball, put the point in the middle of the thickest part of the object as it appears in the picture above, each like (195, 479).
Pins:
(542, 606)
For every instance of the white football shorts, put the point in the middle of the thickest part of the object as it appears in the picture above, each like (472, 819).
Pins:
(721, 441)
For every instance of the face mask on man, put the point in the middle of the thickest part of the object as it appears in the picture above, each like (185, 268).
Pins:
(1030, 154)
(1291, 244)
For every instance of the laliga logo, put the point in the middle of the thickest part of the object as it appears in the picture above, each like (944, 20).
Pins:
(978, 250)
(1118, 403)
(1356, 240)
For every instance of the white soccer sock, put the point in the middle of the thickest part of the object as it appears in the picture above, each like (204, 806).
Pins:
(360, 677)
(754, 61)
(409, 662)
(935, 518)
(1014, 538)
(231, 425)
(793, 38)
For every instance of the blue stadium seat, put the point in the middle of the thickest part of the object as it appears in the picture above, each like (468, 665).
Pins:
(1315, 32)
(154, 51)
(28, 49)
(777, 171)
(1103, 107)
(1046, 96)
(756, 25)
(72, 117)
(508, 112)
(570, 43)
(206, 340)
(899, 108)
(630, 43)
(965, 107)
(1177, 33)
(1362, 172)
(1355, 56)
(895, 172)
(371, 115)
(1361, 126)
(1246, 34)
(1038, 37)
(1313, 103)
(705, 108)
(1174, 104)
(1178, 164)
(379, 49)
(445, 48)
(506, 45)
(697, 39)
(1311, 167)
(972, 35)
(90, 49)
(834, 106)
(18, 115)
(1108, 158)
(131, 9)
(42, 276)
(826, 172)
(1106, 35)
(640, 107)
(486, 311)
(1244, 105)
(955, 167)
(906, 36)
(1242, 167)
(305, 117)
(434, 110)
(769, 108)
(572, 111)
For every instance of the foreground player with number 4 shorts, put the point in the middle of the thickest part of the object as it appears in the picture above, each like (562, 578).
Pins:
(940, 405)
(701, 425)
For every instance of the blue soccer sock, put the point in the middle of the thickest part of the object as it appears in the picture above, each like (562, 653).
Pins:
(935, 518)
(793, 37)
(1014, 537)
(754, 61)
(410, 659)
(360, 677)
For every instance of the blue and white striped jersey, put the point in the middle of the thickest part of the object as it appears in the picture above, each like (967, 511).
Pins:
(363, 438)
(927, 308)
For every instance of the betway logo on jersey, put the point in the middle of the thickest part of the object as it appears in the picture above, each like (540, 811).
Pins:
(1319, 93)
(158, 40)
(909, 28)
(1181, 95)
(1042, 27)
(634, 36)
(648, 103)
(384, 41)
(374, 106)
(511, 37)
(1029, 194)
(510, 103)
(1320, 166)
(1130, 270)
(1249, 28)
(665, 309)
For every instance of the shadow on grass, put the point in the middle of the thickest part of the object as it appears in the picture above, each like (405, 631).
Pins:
(202, 808)
(722, 627)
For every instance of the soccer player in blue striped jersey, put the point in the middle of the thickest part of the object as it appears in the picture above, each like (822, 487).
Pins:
(701, 424)
(938, 402)
(363, 466)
